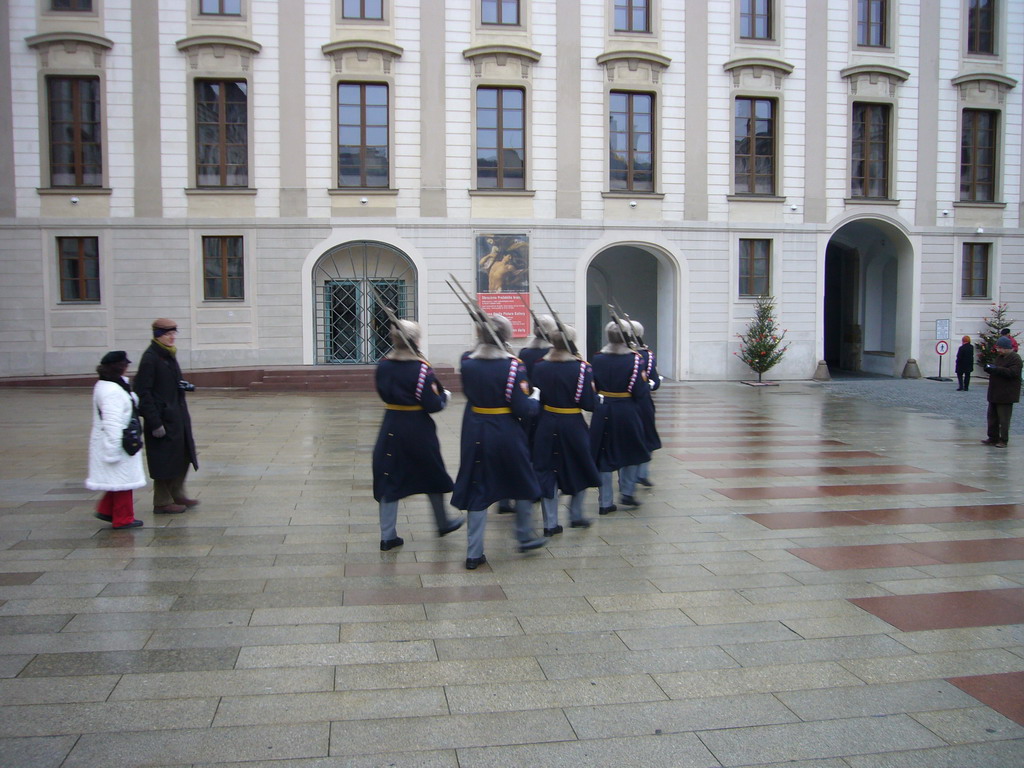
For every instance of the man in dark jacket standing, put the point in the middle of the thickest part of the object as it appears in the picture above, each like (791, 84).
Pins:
(1003, 392)
(169, 444)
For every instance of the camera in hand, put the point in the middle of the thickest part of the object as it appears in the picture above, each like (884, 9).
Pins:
(186, 386)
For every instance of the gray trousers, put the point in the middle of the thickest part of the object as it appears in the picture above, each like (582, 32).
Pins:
(389, 516)
(627, 485)
(476, 524)
(550, 507)
(167, 490)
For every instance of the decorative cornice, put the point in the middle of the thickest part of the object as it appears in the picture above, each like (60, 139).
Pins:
(654, 62)
(218, 44)
(777, 68)
(893, 76)
(69, 41)
(362, 49)
(982, 81)
(501, 54)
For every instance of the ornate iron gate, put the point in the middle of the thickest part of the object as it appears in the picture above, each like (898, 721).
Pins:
(351, 327)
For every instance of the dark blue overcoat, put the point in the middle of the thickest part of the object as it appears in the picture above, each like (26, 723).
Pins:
(561, 441)
(495, 459)
(617, 436)
(647, 404)
(407, 457)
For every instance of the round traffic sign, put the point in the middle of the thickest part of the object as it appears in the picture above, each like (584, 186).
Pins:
(942, 347)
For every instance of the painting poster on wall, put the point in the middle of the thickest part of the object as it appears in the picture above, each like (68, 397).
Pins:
(503, 278)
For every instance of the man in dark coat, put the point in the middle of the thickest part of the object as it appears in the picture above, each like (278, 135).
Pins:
(407, 456)
(1003, 392)
(168, 428)
(964, 365)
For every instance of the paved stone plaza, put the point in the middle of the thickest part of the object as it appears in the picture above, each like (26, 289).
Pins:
(820, 578)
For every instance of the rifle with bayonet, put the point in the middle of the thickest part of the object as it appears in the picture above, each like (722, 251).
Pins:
(637, 338)
(536, 321)
(393, 321)
(569, 343)
(625, 328)
(481, 318)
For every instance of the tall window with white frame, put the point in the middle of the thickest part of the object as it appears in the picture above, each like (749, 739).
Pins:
(631, 139)
(504, 12)
(754, 157)
(71, 5)
(756, 19)
(362, 9)
(76, 152)
(223, 268)
(363, 157)
(222, 133)
(974, 271)
(78, 264)
(500, 138)
(981, 26)
(873, 23)
(869, 173)
(220, 7)
(978, 155)
(632, 16)
(755, 267)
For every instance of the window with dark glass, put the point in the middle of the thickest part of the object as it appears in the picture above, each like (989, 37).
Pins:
(974, 271)
(363, 159)
(872, 23)
(70, 5)
(632, 16)
(631, 137)
(755, 266)
(499, 11)
(223, 268)
(869, 175)
(754, 159)
(756, 19)
(222, 133)
(500, 138)
(981, 26)
(76, 155)
(79, 266)
(362, 9)
(978, 156)
(220, 7)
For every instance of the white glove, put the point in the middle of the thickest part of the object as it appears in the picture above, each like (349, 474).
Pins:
(600, 398)
(535, 395)
(447, 398)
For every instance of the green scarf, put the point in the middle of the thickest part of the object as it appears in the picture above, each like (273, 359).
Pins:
(172, 350)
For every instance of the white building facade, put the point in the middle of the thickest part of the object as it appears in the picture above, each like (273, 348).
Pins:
(266, 171)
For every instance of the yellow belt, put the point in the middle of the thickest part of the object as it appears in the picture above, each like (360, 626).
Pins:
(561, 410)
(615, 394)
(490, 411)
(393, 407)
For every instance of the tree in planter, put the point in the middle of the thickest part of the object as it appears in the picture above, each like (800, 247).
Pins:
(995, 322)
(760, 346)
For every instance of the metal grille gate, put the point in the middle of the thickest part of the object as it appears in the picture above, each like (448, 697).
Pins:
(351, 327)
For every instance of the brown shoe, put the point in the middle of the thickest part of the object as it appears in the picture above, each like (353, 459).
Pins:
(187, 502)
(169, 509)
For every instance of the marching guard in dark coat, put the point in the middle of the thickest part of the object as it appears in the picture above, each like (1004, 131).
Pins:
(561, 440)
(643, 473)
(407, 457)
(617, 436)
(543, 330)
(495, 458)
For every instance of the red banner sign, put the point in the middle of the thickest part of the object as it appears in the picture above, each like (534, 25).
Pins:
(511, 306)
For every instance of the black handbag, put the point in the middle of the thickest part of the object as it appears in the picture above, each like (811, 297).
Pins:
(131, 437)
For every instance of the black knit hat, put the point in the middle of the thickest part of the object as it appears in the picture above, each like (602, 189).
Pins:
(118, 356)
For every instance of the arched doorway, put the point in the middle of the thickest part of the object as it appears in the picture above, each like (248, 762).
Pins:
(868, 298)
(641, 282)
(350, 282)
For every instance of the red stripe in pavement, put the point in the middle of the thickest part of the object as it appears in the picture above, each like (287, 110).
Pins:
(1002, 692)
(917, 553)
(947, 610)
(953, 514)
(818, 491)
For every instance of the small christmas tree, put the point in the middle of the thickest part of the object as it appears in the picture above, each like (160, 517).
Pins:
(760, 345)
(994, 323)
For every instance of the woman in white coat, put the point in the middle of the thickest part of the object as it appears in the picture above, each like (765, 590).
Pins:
(111, 469)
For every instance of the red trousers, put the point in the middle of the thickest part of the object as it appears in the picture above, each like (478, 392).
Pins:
(120, 505)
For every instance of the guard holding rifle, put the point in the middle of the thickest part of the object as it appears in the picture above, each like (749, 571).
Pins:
(617, 436)
(561, 443)
(407, 456)
(495, 459)
(647, 416)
